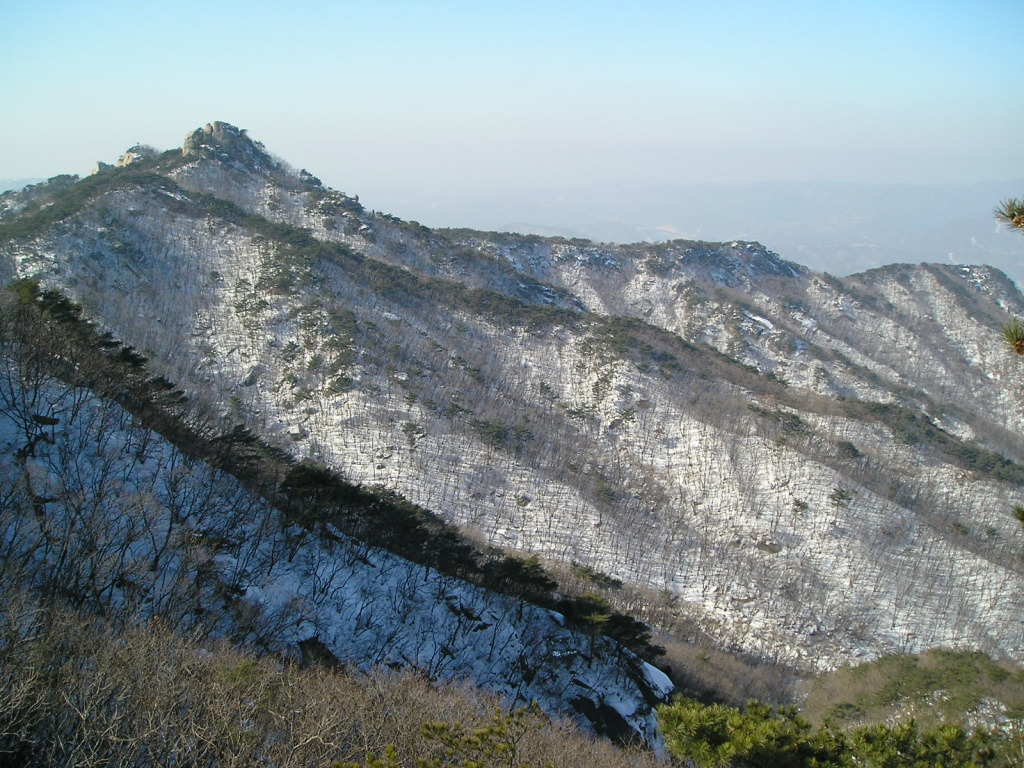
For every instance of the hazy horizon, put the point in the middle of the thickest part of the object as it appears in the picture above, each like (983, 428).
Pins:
(462, 95)
(544, 110)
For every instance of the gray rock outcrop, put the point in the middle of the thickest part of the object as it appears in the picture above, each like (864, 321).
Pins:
(133, 154)
(224, 141)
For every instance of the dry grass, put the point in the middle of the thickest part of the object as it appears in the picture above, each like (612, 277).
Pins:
(709, 674)
(77, 693)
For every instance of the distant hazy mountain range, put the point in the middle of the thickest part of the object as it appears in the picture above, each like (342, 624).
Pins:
(834, 227)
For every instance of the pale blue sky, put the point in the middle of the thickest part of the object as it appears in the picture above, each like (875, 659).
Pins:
(388, 94)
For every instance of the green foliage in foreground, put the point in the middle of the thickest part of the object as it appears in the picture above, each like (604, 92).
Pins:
(1011, 212)
(1013, 335)
(719, 736)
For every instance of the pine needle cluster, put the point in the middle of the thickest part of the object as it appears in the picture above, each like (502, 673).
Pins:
(1011, 212)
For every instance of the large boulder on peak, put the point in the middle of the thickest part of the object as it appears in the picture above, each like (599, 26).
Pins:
(224, 141)
(136, 153)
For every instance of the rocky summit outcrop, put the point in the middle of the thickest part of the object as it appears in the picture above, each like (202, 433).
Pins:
(136, 153)
(227, 143)
(809, 468)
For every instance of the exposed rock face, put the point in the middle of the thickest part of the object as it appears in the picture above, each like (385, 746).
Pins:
(224, 141)
(138, 152)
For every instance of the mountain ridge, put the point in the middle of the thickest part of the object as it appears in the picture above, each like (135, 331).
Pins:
(696, 418)
(841, 228)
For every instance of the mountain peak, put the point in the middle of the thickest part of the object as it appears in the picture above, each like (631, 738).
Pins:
(223, 141)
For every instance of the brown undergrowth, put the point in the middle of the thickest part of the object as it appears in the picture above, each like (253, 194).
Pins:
(78, 692)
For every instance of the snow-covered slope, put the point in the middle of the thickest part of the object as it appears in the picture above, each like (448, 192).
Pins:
(812, 467)
(107, 514)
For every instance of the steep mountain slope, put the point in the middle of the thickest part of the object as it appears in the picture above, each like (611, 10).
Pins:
(104, 514)
(812, 468)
